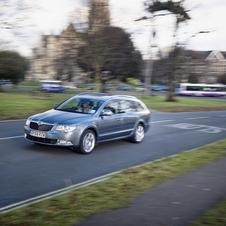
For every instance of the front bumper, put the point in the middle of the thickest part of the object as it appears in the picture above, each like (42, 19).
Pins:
(53, 138)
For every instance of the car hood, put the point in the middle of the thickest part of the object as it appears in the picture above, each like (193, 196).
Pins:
(60, 117)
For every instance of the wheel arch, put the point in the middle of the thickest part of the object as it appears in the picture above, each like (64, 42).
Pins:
(92, 129)
(142, 122)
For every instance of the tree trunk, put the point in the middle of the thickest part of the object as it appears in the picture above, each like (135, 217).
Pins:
(171, 94)
(97, 80)
(148, 75)
(171, 91)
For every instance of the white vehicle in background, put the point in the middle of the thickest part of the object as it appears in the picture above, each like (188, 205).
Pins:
(140, 88)
(69, 85)
(52, 86)
(201, 90)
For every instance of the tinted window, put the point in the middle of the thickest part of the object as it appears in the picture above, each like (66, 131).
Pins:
(76, 105)
(118, 106)
(136, 106)
(113, 106)
(124, 106)
(194, 88)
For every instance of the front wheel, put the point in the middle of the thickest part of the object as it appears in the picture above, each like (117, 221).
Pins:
(138, 135)
(87, 142)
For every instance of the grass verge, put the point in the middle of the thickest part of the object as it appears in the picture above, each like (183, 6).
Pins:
(116, 192)
(21, 105)
(213, 217)
(184, 104)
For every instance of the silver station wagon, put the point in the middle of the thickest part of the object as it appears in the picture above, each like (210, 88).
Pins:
(87, 119)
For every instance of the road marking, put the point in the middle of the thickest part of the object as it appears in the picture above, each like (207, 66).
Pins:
(201, 128)
(196, 118)
(8, 138)
(161, 121)
(212, 129)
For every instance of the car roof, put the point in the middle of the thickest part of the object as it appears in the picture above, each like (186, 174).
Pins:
(105, 96)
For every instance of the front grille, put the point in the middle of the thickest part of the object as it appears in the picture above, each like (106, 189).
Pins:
(42, 127)
(41, 140)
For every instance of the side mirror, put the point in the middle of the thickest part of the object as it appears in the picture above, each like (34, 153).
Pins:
(106, 112)
(55, 106)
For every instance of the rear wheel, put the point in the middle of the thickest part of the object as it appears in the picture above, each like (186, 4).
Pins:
(87, 142)
(138, 135)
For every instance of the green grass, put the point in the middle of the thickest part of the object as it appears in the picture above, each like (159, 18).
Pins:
(213, 217)
(25, 103)
(17, 106)
(29, 84)
(116, 192)
(184, 104)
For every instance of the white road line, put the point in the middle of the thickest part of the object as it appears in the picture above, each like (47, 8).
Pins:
(161, 121)
(8, 138)
(56, 193)
(196, 118)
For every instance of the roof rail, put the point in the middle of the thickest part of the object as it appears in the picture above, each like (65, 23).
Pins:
(93, 94)
(105, 94)
(128, 96)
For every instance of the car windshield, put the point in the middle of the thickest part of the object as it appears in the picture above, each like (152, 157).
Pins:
(80, 105)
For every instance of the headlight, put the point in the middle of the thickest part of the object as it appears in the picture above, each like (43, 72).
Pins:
(66, 129)
(27, 123)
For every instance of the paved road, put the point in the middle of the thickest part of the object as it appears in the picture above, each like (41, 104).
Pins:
(28, 170)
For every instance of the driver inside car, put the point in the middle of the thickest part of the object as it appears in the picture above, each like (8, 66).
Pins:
(85, 107)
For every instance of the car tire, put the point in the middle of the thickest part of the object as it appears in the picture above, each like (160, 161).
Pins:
(87, 142)
(138, 135)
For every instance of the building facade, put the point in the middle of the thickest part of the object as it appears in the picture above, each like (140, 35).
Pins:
(55, 57)
(199, 66)
(99, 16)
(207, 66)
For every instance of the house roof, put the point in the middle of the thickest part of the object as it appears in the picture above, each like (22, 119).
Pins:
(205, 55)
(217, 54)
(197, 54)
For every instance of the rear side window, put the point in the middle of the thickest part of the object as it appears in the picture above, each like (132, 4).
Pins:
(136, 106)
(123, 106)
(130, 106)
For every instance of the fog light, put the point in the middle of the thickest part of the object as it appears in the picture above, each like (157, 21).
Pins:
(64, 142)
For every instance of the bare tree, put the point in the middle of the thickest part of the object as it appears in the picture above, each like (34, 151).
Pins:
(176, 9)
(14, 20)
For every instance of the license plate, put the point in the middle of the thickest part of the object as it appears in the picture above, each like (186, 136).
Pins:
(37, 134)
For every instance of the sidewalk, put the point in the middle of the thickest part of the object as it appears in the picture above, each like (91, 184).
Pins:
(173, 203)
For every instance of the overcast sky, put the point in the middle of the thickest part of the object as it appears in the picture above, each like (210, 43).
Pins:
(206, 15)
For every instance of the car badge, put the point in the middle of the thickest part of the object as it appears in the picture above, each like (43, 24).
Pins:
(39, 123)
